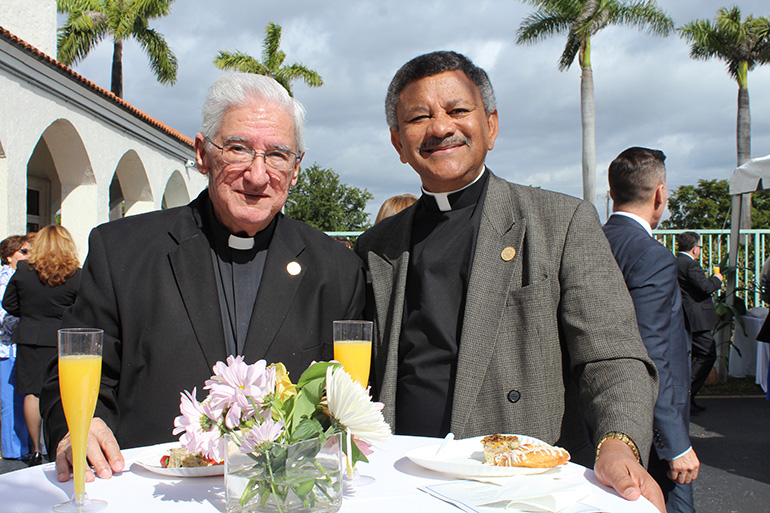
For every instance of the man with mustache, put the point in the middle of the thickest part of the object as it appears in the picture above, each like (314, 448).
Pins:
(499, 308)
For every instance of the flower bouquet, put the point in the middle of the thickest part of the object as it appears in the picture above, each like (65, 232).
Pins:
(283, 440)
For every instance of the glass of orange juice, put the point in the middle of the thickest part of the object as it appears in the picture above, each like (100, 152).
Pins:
(716, 269)
(353, 348)
(80, 370)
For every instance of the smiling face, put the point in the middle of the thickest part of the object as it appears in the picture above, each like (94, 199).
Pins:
(444, 133)
(246, 200)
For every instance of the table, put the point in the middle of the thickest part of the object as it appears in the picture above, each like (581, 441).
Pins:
(36, 489)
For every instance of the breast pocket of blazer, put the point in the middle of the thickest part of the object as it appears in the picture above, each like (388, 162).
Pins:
(538, 294)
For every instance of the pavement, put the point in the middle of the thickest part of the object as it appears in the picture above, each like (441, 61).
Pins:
(732, 440)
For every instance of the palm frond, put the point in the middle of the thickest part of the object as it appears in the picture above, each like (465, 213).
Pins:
(644, 15)
(162, 59)
(239, 61)
(571, 49)
(541, 25)
(299, 71)
(271, 43)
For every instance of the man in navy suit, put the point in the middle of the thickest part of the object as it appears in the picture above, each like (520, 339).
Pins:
(696, 299)
(638, 188)
(177, 290)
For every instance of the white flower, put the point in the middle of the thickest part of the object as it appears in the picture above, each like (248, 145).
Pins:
(350, 404)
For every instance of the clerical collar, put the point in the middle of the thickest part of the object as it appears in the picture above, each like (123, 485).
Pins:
(446, 201)
(242, 243)
(222, 238)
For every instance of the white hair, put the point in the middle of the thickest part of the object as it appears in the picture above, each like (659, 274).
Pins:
(239, 89)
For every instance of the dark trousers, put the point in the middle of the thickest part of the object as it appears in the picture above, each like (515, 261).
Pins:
(704, 354)
(678, 497)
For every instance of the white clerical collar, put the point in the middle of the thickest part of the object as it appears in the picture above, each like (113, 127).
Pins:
(242, 243)
(442, 198)
(636, 218)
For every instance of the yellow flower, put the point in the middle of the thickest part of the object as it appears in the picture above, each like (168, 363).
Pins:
(284, 388)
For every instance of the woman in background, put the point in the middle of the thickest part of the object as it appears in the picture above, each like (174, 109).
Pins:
(394, 205)
(15, 438)
(38, 293)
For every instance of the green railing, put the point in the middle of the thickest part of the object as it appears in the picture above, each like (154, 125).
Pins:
(751, 255)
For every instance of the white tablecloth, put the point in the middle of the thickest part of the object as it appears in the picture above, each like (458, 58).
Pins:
(36, 489)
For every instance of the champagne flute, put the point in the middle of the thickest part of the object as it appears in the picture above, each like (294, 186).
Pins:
(80, 369)
(353, 349)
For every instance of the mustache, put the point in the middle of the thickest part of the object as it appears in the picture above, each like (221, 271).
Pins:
(438, 142)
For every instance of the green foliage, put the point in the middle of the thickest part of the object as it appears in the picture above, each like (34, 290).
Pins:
(272, 62)
(91, 21)
(707, 206)
(320, 200)
(580, 20)
(742, 45)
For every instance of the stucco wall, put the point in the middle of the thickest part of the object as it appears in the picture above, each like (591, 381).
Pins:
(34, 21)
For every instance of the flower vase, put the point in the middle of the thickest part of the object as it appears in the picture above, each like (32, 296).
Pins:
(302, 477)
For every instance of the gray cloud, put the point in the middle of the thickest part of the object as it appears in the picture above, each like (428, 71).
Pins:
(648, 91)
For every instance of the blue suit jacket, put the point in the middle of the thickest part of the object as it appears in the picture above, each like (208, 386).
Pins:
(650, 272)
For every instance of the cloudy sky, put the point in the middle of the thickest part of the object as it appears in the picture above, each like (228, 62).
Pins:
(648, 91)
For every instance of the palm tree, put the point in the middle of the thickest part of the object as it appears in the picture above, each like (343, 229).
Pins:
(91, 21)
(743, 46)
(581, 20)
(271, 65)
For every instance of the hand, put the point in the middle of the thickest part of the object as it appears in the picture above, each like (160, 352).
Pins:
(103, 452)
(719, 275)
(616, 466)
(684, 469)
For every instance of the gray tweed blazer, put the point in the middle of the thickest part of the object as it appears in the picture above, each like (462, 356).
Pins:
(549, 347)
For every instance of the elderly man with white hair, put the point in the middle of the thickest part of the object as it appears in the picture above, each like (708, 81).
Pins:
(176, 291)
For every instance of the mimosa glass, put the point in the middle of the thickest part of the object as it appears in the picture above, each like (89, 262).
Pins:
(80, 369)
(353, 349)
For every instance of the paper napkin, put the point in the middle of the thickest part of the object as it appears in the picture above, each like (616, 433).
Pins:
(538, 494)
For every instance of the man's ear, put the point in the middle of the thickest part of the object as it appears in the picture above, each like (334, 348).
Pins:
(295, 175)
(660, 196)
(200, 154)
(395, 140)
(493, 125)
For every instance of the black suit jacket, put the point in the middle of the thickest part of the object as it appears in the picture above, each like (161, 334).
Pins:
(38, 306)
(650, 272)
(149, 283)
(696, 293)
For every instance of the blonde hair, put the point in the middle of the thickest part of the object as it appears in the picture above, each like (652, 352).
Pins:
(394, 205)
(54, 255)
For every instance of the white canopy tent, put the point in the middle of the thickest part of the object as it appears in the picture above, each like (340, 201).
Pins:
(752, 176)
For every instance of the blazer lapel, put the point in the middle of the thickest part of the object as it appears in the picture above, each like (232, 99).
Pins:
(497, 264)
(388, 276)
(192, 268)
(276, 290)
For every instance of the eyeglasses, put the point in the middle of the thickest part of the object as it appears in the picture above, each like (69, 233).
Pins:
(236, 154)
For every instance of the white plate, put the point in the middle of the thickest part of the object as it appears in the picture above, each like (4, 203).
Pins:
(465, 459)
(150, 460)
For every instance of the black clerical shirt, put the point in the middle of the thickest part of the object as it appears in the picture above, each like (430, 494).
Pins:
(440, 262)
(237, 273)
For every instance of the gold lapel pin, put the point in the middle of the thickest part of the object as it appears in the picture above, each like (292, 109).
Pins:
(293, 268)
(508, 254)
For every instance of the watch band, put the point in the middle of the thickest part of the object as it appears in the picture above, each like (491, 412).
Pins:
(618, 435)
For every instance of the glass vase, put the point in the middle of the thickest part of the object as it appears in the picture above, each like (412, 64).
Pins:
(300, 477)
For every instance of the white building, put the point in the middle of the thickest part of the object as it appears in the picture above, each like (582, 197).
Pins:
(70, 147)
